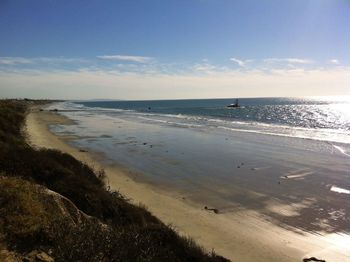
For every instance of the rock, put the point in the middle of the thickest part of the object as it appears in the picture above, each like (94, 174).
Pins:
(38, 256)
(216, 211)
(313, 259)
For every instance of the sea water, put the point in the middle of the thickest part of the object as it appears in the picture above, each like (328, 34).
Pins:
(291, 150)
(325, 118)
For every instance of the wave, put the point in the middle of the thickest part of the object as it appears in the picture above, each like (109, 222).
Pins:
(72, 106)
(170, 122)
(341, 150)
(330, 135)
(193, 121)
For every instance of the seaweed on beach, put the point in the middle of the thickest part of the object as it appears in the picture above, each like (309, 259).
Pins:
(54, 206)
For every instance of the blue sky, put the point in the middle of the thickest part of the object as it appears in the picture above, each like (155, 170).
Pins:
(174, 48)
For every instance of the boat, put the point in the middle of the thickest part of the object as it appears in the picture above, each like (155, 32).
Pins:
(235, 105)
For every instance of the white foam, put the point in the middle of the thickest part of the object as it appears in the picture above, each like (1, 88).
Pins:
(340, 190)
(341, 150)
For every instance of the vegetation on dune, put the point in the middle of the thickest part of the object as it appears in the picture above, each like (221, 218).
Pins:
(52, 203)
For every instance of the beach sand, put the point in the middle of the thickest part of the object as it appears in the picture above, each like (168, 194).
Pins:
(242, 235)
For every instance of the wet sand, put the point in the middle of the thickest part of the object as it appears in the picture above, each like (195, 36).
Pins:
(240, 234)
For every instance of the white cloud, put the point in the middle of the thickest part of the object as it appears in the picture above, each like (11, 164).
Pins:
(87, 84)
(59, 60)
(204, 67)
(127, 58)
(36, 60)
(288, 60)
(334, 61)
(241, 63)
(14, 61)
(142, 80)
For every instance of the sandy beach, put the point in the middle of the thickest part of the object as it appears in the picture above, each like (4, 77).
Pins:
(241, 235)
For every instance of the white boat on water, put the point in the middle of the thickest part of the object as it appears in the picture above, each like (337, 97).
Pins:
(235, 105)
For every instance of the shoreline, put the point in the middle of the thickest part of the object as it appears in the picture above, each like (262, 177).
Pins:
(240, 236)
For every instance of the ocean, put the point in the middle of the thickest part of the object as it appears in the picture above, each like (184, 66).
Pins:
(325, 118)
(291, 152)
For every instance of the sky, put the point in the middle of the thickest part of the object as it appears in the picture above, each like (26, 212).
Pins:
(173, 49)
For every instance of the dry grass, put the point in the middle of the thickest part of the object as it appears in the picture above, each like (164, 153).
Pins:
(22, 213)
